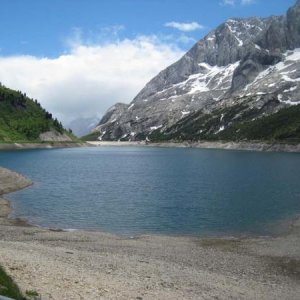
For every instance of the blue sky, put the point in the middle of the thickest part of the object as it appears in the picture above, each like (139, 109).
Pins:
(79, 57)
(41, 27)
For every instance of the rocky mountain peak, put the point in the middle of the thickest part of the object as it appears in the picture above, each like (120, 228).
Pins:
(224, 64)
(293, 26)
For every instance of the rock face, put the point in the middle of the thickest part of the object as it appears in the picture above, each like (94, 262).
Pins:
(54, 136)
(252, 61)
(11, 181)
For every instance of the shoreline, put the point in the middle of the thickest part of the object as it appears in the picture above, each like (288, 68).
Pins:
(239, 146)
(10, 182)
(242, 146)
(55, 145)
(97, 265)
(5, 211)
(280, 228)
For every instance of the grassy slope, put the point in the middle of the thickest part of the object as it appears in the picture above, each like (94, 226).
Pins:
(23, 119)
(93, 136)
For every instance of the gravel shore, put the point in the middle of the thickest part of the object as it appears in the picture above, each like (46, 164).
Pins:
(44, 145)
(10, 182)
(242, 146)
(88, 265)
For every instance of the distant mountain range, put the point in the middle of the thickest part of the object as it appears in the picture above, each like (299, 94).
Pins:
(83, 126)
(241, 81)
(24, 120)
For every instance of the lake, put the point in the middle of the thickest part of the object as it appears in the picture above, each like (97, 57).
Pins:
(137, 190)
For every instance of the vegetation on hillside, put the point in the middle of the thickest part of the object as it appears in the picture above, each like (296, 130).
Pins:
(22, 118)
(93, 136)
(283, 126)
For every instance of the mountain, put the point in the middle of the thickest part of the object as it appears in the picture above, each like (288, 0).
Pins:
(244, 70)
(23, 119)
(83, 126)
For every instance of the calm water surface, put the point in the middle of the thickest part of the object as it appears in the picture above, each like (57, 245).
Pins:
(132, 190)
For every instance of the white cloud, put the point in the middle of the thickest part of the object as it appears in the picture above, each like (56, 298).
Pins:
(109, 34)
(185, 26)
(235, 2)
(245, 2)
(228, 2)
(185, 39)
(89, 78)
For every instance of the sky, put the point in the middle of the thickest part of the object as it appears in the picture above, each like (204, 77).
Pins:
(79, 57)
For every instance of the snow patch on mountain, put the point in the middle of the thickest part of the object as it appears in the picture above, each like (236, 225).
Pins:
(254, 63)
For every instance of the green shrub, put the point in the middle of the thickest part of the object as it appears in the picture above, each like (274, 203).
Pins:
(8, 288)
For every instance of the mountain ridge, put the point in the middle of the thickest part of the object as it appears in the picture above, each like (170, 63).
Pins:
(244, 60)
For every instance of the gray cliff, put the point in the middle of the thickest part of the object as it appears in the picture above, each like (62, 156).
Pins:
(253, 61)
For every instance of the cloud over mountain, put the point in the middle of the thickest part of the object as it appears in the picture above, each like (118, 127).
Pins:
(186, 27)
(89, 77)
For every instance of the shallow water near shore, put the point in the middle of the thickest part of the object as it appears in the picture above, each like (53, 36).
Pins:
(138, 190)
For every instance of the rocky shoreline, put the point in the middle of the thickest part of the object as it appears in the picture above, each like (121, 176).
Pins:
(94, 265)
(10, 182)
(246, 146)
(23, 146)
(242, 146)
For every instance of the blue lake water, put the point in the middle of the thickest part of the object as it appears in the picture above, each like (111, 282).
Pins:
(135, 190)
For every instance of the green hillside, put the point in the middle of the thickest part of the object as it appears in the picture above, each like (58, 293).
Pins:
(93, 136)
(23, 119)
